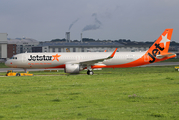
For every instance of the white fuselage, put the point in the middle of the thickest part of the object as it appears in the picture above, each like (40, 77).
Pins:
(45, 60)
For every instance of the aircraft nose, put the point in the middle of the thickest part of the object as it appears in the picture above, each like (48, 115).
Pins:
(7, 63)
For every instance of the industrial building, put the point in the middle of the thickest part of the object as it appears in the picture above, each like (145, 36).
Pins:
(11, 50)
(85, 47)
(23, 44)
(3, 45)
(76, 47)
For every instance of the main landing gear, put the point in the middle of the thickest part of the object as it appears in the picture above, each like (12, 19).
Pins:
(90, 72)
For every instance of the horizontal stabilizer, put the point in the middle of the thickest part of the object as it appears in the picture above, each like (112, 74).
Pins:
(165, 55)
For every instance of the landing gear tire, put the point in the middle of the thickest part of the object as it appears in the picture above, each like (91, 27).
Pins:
(89, 72)
(18, 74)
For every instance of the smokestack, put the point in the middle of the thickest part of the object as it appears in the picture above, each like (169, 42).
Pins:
(67, 36)
(81, 38)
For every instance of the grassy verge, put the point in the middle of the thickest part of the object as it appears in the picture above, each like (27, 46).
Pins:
(128, 93)
(2, 65)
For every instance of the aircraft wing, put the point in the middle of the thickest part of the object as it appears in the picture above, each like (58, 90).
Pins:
(165, 55)
(93, 61)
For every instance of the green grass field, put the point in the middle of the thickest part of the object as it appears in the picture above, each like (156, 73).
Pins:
(146, 93)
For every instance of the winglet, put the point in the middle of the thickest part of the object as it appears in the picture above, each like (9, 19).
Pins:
(112, 55)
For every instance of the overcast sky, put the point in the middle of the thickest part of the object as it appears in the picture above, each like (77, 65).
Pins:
(137, 20)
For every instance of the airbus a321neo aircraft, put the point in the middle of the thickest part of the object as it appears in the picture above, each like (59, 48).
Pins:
(74, 62)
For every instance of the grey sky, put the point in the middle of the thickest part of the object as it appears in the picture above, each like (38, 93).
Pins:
(140, 20)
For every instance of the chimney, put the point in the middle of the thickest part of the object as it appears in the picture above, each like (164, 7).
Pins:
(81, 38)
(67, 36)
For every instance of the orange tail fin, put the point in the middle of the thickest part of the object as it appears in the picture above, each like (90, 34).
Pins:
(161, 45)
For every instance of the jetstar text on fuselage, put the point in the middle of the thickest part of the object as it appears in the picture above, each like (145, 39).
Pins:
(40, 58)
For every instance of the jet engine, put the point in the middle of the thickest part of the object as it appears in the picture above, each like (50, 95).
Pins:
(72, 68)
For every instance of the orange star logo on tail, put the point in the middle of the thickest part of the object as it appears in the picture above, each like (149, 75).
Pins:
(55, 57)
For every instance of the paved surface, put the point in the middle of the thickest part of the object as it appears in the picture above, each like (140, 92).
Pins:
(154, 64)
(162, 64)
(20, 70)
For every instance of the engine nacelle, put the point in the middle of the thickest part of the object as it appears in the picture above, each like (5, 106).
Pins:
(72, 68)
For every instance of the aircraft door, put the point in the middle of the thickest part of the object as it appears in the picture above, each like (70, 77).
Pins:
(78, 57)
(24, 58)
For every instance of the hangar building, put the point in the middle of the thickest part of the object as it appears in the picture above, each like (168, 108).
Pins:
(3, 45)
(87, 47)
(23, 44)
(76, 46)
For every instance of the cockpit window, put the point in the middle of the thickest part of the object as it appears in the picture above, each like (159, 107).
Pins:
(13, 58)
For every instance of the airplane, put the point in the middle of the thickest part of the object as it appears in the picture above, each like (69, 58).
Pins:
(74, 62)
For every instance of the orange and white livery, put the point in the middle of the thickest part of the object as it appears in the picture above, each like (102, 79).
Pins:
(74, 62)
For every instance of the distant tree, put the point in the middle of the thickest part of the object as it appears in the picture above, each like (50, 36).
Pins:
(58, 40)
(88, 40)
(173, 43)
(75, 41)
(128, 40)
